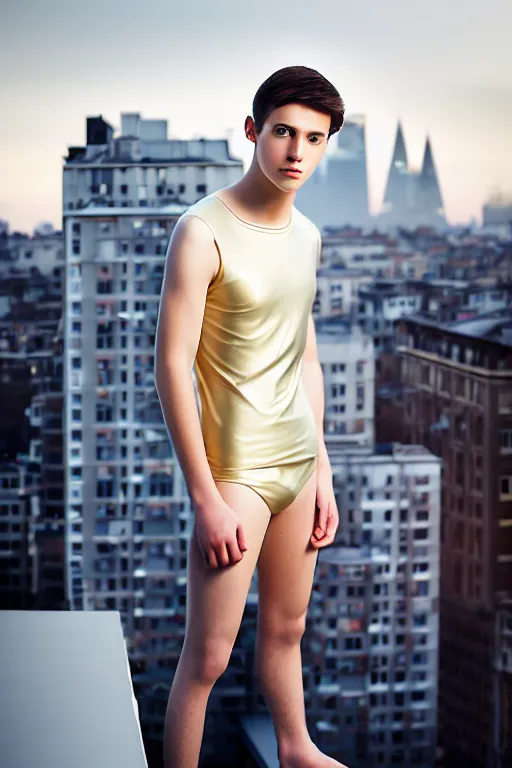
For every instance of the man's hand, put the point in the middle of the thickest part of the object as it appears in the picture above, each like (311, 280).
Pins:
(326, 515)
(220, 533)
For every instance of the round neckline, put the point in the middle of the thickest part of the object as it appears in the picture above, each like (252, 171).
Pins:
(251, 225)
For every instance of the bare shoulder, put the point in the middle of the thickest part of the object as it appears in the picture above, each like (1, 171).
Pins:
(192, 248)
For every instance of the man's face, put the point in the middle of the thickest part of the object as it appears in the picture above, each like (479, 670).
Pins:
(293, 136)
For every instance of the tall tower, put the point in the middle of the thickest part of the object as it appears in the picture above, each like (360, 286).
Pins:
(346, 178)
(337, 193)
(430, 201)
(396, 198)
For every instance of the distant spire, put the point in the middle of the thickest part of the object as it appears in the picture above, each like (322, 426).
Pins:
(430, 191)
(428, 160)
(395, 197)
(399, 153)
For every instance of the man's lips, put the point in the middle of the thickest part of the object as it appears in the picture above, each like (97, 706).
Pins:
(292, 170)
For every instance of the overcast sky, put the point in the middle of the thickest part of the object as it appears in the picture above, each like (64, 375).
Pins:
(442, 67)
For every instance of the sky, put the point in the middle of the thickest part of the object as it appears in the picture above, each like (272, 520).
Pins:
(443, 68)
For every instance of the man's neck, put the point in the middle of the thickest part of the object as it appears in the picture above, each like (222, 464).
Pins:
(258, 200)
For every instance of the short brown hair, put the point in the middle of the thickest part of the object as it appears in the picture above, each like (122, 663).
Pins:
(300, 85)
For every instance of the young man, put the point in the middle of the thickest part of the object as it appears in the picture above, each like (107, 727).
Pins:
(237, 293)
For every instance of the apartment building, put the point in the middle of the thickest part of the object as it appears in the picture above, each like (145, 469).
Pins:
(372, 640)
(369, 253)
(41, 252)
(337, 290)
(348, 365)
(20, 483)
(458, 403)
(142, 167)
(380, 305)
(127, 510)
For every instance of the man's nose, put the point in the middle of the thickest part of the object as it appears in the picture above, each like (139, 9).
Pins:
(295, 150)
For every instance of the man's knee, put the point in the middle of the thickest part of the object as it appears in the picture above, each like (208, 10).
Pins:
(282, 630)
(209, 660)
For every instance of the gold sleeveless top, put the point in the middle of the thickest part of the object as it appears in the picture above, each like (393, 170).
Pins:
(255, 411)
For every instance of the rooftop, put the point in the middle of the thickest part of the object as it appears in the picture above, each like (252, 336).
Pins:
(94, 211)
(340, 270)
(494, 326)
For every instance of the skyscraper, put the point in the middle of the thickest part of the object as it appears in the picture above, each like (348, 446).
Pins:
(337, 193)
(127, 510)
(346, 180)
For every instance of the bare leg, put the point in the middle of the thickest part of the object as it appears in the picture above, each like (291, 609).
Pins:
(285, 578)
(215, 604)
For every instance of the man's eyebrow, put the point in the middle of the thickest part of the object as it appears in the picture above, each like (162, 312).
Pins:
(291, 128)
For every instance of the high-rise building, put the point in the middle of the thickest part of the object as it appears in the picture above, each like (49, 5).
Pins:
(372, 641)
(346, 177)
(337, 193)
(142, 168)
(127, 511)
(458, 403)
(348, 364)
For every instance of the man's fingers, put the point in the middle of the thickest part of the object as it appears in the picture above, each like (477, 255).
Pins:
(223, 556)
(324, 542)
(234, 552)
(240, 534)
(211, 558)
(321, 521)
(332, 524)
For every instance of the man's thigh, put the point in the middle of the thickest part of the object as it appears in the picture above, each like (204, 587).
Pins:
(216, 596)
(287, 560)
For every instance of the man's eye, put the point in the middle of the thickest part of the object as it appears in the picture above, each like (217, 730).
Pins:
(281, 128)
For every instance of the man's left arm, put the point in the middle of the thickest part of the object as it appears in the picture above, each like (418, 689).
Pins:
(327, 517)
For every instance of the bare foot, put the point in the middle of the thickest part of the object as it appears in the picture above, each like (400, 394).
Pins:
(308, 757)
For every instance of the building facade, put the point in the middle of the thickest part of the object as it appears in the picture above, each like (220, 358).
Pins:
(458, 403)
(372, 641)
(127, 511)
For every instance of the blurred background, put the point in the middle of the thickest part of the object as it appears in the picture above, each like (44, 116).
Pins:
(116, 118)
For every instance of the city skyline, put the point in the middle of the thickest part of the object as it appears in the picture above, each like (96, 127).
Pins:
(445, 75)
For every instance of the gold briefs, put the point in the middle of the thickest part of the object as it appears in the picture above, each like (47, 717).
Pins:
(257, 421)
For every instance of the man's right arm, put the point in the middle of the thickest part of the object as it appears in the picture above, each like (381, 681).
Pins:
(191, 263)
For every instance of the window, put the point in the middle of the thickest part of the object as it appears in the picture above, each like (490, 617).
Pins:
(459, 468)
(478, 432)
(505, 439)
(360, 397)
(506, 485)
(418, 695)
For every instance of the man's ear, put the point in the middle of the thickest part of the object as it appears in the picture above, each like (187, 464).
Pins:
(249, 129)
